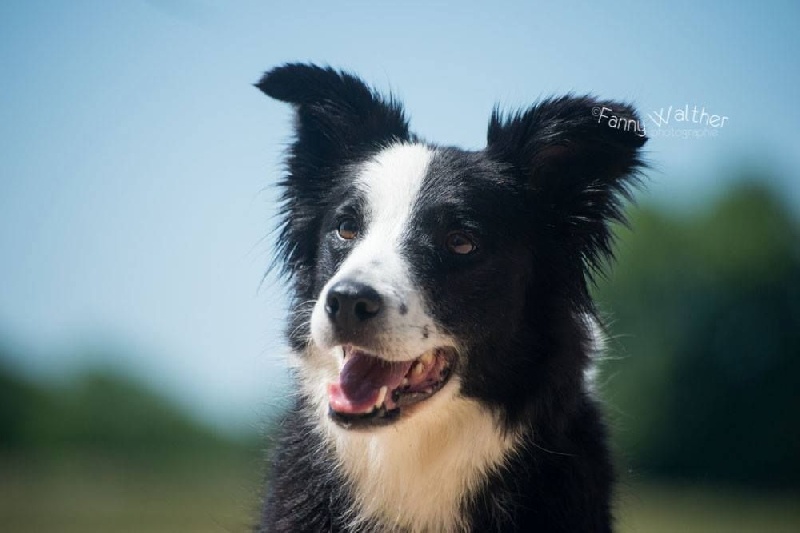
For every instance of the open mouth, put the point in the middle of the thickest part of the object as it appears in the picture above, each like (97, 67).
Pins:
(373, 391)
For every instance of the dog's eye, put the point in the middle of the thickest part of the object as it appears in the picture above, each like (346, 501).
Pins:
(347, 229)
(460, 243)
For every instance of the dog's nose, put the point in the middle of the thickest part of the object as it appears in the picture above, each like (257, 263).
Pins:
(350, 303)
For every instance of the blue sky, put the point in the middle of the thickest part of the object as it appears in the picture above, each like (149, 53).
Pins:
(137, 161)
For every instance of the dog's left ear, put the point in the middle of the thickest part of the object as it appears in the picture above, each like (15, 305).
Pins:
(578, 158)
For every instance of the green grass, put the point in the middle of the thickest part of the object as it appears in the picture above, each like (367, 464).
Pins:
(221, 495)
(651, 508)
(88, 496)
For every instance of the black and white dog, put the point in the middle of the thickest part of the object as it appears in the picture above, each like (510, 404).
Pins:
(442, 325)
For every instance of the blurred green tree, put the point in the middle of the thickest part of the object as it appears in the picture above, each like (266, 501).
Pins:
(20, 406)
(99, 414)
(703, 373)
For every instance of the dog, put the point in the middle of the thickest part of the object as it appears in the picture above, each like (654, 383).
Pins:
(441, 322)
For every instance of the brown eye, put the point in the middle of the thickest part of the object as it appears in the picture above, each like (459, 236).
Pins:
(459, 243)
(347, 229)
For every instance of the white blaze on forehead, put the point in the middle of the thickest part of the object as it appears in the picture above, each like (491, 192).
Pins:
(391, 184)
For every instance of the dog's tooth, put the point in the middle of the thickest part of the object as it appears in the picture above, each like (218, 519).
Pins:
(418, 368)
(381, 396)
(427, 358)
(405, 382)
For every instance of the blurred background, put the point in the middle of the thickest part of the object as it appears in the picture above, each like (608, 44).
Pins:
(141, 358)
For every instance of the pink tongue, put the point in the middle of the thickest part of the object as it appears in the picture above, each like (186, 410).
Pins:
(360, 382)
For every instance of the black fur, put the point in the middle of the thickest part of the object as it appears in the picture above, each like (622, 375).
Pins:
(538, 200)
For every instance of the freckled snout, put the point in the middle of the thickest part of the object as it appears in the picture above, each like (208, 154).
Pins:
(351, 306)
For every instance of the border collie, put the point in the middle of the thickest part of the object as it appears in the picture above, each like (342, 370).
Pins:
(441, 324)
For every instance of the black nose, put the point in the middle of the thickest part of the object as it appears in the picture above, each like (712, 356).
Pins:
(350, 303)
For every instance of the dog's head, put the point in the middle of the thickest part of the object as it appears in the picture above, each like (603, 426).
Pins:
(413, 263)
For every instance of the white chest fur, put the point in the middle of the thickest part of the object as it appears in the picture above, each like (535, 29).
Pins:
(414, 475)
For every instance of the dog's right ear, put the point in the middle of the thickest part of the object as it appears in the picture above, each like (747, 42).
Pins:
(338, 115)
(338, 121)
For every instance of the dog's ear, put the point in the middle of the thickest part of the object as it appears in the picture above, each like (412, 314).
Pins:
(338, 116)
(578, 158)
(338, 120)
